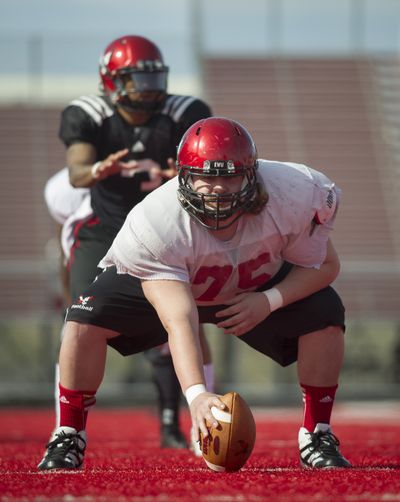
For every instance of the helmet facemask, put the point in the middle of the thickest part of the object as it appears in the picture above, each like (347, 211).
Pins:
(144, 81)
(213, 210)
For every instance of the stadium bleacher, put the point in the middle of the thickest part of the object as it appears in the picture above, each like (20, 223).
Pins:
(337, 115)
(328, 114)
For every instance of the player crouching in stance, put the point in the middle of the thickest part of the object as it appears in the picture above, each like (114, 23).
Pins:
(235, 241)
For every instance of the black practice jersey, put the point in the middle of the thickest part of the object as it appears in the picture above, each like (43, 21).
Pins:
(94, 119)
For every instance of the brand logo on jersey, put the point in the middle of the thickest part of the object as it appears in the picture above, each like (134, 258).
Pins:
(330, 199)
(64, 400)
(138, 147)
(327, 211)
(82, 303)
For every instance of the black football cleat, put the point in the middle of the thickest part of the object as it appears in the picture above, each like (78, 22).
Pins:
(320, 449)
(172, 437)
(65, 450)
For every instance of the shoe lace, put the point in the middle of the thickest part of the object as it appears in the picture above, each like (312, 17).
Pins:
(326, 442)
(63, 443)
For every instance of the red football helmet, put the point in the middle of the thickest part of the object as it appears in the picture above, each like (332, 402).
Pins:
(140, 60)
(217, 146)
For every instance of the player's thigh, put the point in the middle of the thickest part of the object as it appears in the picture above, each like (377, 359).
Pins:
(116, 302)
(83, 266)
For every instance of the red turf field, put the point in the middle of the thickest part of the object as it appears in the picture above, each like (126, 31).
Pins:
(123, 461)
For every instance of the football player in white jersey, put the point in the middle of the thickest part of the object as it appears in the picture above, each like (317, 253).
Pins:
(233, 240)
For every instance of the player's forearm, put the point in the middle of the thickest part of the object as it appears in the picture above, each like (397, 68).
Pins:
(180, 320)
(182, 326)
(302, 282)
(186, 354)
(81, 158)
(81, 176)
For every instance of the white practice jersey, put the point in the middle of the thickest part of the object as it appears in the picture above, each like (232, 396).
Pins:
(61, 197)
(67, 205)
(159, 239)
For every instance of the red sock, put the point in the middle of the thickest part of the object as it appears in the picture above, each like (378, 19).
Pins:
(89, 400)
(74, 405)
(318, 403)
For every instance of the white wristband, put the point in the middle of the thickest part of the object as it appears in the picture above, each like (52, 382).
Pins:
(95, 169)
(193, 391)
(274, 298)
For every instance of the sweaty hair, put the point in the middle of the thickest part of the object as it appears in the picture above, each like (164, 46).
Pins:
(260, 200)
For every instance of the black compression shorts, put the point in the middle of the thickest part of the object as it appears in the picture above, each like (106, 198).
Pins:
(116, 302)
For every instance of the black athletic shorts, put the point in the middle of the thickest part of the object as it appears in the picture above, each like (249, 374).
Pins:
(116, 302)
(92, 241)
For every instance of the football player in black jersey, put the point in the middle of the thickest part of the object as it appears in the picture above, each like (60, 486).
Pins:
(122, 145)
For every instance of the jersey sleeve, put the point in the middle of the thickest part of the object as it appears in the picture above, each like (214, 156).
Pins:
(308, 248)
(303, 205)
(77, 126)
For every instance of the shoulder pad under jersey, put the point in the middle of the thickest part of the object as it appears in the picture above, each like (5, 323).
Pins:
(95, 106)
(175, 106)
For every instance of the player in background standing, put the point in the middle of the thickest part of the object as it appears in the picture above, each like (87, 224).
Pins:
(62, 201)
(122, 145)
(70, 206)
(234, 240)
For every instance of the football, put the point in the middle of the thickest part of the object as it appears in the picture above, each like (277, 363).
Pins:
(227, 448)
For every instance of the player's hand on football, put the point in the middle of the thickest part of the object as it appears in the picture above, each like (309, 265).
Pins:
(200, 410)
(243, 313)
(112, 164)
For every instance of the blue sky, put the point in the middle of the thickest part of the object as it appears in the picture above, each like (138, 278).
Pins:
(50, 49)
(74, 32)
